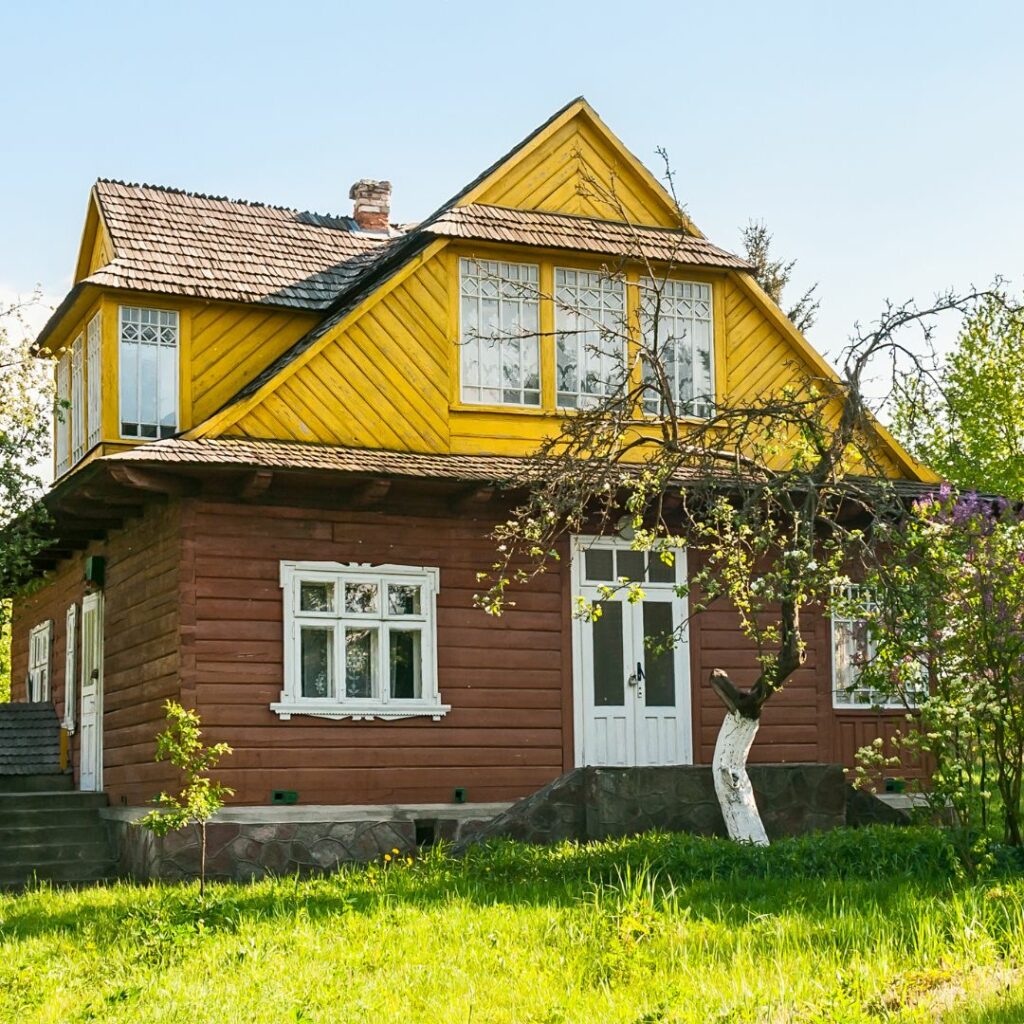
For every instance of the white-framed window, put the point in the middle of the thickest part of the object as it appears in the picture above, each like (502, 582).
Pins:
(148, 372)
(853, 647)
(590, 323)
(77, 398)
(359, 641)
(39, 643)
(499, 333)
(677, 323)
(70, 666)
(93, 376)
(62, 416)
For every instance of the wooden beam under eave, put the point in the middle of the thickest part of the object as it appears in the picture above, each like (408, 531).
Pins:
(371, 492)
(472, 498)
(153, 481)
(254, 485)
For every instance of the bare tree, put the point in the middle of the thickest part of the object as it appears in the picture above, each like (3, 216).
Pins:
(776, 493)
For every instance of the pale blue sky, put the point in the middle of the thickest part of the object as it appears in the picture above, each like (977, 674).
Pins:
(882, 142)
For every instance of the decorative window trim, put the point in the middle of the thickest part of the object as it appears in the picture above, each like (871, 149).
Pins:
(77, 399)
(692, 408)
(513, 292)
(40, 645)
(94, 382)
(167, 390)
(381, 705)
(62, 416)
(845, 698)
(70, 664)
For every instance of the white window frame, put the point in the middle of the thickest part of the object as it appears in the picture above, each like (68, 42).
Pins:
(40, 644)
(380, 704)
(648, 291)
(843, 632)
(515, 291)
(77, 399)
(62, 416)
(70, 666)
(94, 385)
(591, 332)
(166, 389)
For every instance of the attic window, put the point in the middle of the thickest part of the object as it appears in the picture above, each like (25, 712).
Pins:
(149, 372)
(499, 332)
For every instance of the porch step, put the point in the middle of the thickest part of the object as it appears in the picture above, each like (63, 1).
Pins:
(48, 783)
(55, 836)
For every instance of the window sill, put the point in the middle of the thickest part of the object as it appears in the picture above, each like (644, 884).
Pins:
(516, 410)
(368, 712)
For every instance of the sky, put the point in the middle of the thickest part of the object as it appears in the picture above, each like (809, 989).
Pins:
(881, 142)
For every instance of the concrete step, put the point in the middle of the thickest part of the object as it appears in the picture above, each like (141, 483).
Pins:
(61, 871)
(46, 830)
(28, 855)
(53, 783)
(35, 817)
(50, 800)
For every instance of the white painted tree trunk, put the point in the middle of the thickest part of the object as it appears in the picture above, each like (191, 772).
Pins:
(732, 784)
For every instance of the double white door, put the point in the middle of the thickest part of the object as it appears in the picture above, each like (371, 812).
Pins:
(631, 663)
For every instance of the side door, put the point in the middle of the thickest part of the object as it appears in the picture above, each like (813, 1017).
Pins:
(91, 686)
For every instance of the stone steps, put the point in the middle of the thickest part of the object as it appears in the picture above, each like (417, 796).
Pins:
(53, 783)
(53, 835)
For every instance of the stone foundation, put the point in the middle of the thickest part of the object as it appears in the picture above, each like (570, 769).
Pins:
(245, 843)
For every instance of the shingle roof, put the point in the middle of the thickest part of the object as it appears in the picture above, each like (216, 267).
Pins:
(183, 243)
(582, 234)
(29, 739)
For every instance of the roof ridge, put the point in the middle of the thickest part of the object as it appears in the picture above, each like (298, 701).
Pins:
(174, 190)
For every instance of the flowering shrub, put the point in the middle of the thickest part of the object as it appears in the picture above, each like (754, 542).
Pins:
(951, 605)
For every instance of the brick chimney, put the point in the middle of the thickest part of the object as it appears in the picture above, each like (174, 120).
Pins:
(372, 204)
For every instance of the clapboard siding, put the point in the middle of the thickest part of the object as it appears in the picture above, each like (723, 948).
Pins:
(141, 652)
(504, 678)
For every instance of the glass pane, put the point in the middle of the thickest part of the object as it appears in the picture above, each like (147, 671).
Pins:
(316, 597)
(658, 571)
(317, 657)
(148, 384)
(609, 677)
(360, 661)
(360, 597)
(404, 599)
(405, 659)
(129, 384)
(659, 666)
(631, 565)
(598, 564)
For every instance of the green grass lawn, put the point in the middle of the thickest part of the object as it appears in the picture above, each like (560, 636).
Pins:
(850, 927)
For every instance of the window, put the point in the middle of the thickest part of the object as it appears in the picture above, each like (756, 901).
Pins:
(61, 426)
(500, 347)
(359, 641)
(676, 321)
(71, 642)
(590, 321)
(853, 647)
(77, 399)
(39, 661)
(149, 372)
(93, 381)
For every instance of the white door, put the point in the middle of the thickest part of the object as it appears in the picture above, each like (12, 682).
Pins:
(91, 726)
(632, 700)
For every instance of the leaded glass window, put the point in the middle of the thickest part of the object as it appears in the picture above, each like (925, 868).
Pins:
(149, 372)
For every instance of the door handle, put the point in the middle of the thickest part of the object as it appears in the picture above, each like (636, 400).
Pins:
(636, 680)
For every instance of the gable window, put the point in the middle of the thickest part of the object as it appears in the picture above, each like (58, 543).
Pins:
(359, 641)
(149, 372)
(93, 377)
(853, 647)
(676, 319)
(499, 342)
(39, 661)
(77, 399)
(61, 424)
(590, 321)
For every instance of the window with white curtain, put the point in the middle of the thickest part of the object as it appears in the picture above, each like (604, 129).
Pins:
(77, 399)
(590, 323)
(62, 416)
(93, 376)
(359, 641)
(39, 644)
(148, 372)
(677, 323)
(499, 342)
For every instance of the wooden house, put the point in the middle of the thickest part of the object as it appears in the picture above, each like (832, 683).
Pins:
(275, 482)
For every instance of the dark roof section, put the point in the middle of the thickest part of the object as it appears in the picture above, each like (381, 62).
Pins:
(484, 223)
(29, 739)
(186, 243)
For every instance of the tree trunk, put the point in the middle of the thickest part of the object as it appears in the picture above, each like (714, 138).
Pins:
(732, 784)
(202, 858)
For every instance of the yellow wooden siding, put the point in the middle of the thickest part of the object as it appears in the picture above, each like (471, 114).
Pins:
(381, 382)
(230, 345)
(102, 250)
(555, 177)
